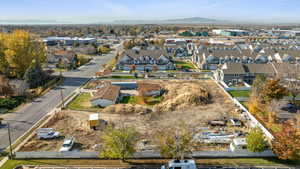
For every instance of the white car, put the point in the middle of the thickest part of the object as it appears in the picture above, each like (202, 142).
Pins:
(47, 133)
(180, 164)
(67, 145)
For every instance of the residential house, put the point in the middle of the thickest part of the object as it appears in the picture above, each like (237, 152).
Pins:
(149, 89)
(106, 96)
(19, 87)
(145, 60)
(64, 59)
(237, 72)
(210, 56)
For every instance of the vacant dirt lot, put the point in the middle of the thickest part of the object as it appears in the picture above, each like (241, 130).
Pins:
(74, 123)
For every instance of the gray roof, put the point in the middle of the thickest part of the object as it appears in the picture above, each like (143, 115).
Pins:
(234, 68)
(150, 53)
(260, 68)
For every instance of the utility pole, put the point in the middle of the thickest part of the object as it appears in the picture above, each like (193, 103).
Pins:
(61, 92)
(9, 138)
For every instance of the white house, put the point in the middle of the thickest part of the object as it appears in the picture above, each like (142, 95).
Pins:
(106, 96)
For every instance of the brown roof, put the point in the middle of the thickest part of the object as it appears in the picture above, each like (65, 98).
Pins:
(109, 92)
(148, 87)
(63, 52)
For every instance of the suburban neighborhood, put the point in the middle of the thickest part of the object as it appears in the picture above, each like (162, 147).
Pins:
(181, 93)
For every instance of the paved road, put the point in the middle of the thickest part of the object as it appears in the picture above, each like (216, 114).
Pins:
(21, 120)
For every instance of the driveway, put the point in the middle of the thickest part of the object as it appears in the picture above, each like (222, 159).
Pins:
(24, 118)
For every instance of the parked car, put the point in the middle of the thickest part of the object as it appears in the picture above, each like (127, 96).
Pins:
(47, 133)
(67, 145)
(235, 122)
(180, 164)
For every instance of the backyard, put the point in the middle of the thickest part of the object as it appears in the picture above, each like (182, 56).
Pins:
(141, 100)
(184, 65)
(180, 103)
(240, 93)
(82, 103)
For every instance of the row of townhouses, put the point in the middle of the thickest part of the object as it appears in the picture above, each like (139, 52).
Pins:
(209, 57)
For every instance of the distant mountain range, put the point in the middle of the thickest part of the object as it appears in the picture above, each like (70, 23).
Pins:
(192, 20)
(30, 21)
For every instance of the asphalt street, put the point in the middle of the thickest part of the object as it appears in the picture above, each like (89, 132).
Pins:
(24, 118)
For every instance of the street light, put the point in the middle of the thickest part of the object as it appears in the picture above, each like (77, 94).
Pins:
(61, 91)
(9, 138)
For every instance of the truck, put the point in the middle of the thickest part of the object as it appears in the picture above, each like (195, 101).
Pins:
(47, 133)
(95, 122)
(180, 164)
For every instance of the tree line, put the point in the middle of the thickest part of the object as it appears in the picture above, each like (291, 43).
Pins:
(21, 56)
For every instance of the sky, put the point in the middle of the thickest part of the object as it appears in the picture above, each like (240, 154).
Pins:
(91, 11)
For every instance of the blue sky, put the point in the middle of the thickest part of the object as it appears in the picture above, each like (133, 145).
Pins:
(84, 11)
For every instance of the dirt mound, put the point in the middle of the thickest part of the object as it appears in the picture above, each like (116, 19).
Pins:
(126, 109)
(183, 95)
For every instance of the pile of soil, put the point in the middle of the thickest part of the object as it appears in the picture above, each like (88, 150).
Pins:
(126, 109)
(183, 95)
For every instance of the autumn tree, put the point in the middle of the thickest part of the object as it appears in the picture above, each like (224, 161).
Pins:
(257, 86)
(129, 44)
(287, 143)
(256, 141)
(3, 62)
(175, 143)
(119, 142)
(104, 50)
(5, 88)
(273, 90)
(255, 106)
(20, 49)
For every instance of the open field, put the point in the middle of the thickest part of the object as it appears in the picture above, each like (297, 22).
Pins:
(184, 101)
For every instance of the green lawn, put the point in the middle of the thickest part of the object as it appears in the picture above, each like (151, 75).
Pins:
(154, 162)
(240, 93)
(82, 103)
(123, 77)
(140, 100)
(153, 100)
(132, 100)
(119, 77)
(184, 65)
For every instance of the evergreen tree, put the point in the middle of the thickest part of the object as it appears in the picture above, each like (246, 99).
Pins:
(34, 75)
